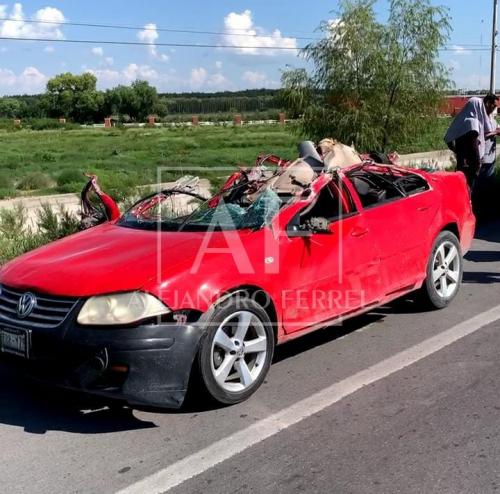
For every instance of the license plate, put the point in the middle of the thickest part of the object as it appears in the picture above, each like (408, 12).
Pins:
(15, 341)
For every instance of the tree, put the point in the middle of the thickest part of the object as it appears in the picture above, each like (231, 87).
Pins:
(119, 101)
(74, 96)
(145, 100)
(137, 101)
(10, 108)
(372, 83)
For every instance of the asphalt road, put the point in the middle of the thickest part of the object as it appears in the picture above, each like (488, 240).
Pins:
(433, 426)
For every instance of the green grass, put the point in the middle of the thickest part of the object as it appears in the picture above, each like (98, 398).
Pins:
(53, 161)
(133, 156)
(431, 139)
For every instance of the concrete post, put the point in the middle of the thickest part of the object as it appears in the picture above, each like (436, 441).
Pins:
(237, 120)
(107, 123)
(282, 118)
(195, 120)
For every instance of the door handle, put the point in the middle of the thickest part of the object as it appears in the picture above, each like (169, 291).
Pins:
(421, 209)
(359, 232)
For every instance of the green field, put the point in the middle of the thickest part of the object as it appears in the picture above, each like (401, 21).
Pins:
(53, 161)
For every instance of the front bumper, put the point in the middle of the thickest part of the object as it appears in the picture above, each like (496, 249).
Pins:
(147, 365)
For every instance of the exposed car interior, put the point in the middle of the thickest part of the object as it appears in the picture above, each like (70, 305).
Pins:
(376, 185)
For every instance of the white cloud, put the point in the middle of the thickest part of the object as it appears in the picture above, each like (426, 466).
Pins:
(218, 64)
(198, 77)
(14, 27)
(460, 50)
(109, 60)
(49, 49)
(30, 80)
(132, 72)
(3, 49)
(201, 78)
(97, 51)
(217, 80)
(241, 31)
(254, 78)
(150, 36)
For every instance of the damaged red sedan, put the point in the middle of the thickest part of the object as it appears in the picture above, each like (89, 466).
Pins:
(182, 287)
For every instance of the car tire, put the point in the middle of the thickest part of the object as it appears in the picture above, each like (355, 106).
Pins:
(236, 352)
(444, 272)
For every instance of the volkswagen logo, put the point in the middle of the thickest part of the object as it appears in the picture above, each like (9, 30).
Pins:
(26, 305)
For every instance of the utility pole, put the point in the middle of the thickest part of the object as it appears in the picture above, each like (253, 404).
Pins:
(494, 49)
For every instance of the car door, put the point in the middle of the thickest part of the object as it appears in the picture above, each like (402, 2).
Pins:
(336, 271)
(419, 209)
(399, 221)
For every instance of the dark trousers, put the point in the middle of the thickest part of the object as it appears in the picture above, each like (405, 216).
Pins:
(468, 160)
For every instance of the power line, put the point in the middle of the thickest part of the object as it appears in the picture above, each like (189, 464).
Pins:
(183, 31)
(141, 43)
(454, 48)
(145, 28)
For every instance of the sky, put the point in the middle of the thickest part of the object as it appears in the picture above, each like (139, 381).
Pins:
(281, 26)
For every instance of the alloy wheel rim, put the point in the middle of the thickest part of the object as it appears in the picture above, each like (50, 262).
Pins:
(446, 270)
(239, 351)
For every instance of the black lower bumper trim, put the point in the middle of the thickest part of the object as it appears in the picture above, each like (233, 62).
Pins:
(146, 365)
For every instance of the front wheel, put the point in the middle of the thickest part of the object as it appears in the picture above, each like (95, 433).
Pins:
(236, 353)
(444, 272)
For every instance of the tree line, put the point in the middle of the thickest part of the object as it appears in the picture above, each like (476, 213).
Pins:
(76, 98)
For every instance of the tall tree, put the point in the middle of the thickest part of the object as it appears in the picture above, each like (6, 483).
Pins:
(9, 108)
(145, 100)
(136, 101)
(74, 96)
(372, 83)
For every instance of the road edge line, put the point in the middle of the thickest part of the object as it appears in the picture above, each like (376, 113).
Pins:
(228, 447)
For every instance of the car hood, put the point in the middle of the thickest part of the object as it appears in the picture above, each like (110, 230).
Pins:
(102, 260)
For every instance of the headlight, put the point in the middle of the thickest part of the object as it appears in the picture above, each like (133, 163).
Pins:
(120, 308)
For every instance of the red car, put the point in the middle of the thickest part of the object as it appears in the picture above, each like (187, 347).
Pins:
(136, 307)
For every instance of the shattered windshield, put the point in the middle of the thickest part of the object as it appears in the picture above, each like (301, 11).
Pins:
(184, 211)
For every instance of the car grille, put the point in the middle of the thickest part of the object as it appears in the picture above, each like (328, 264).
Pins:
(49, 311)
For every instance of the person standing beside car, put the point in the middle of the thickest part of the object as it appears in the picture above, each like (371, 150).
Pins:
(484, 188)
(466, 137)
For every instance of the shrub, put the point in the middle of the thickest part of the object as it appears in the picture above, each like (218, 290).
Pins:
(7, 193)
(70, 176)
(48, 124)
(12, 221)
(70, 188)
(5, 180)
(118, 185)
(17, 238)
(56, 225)
(34, 181)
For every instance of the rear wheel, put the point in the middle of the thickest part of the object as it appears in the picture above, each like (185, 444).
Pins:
(236, 353)
(444, 272)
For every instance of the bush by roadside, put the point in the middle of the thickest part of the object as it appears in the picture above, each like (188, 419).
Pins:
(8, 124)
(18, 237)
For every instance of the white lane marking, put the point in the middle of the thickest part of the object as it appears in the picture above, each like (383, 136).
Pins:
(226, 448)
